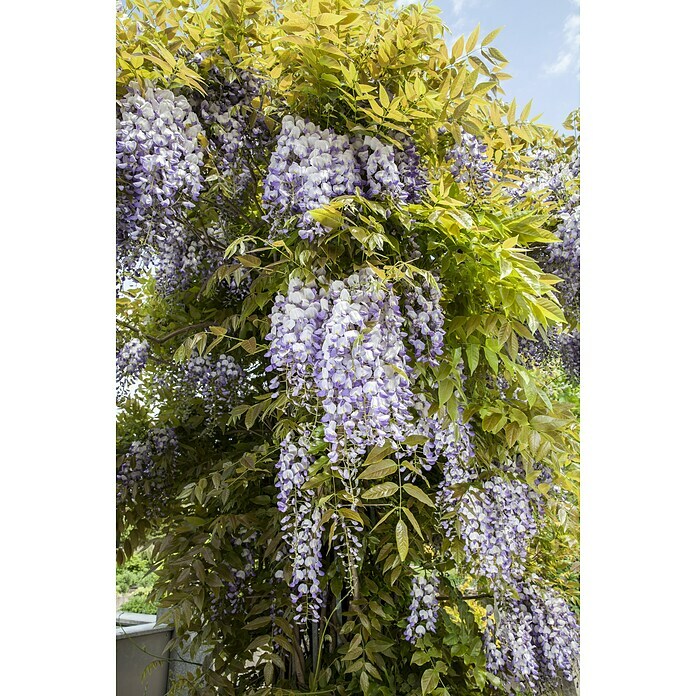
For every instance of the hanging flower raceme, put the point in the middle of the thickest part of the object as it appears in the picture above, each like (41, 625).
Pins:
(537, 636)
(424, 607)
(471, 165)
(232, 597)
(130, 362)
(142, 469)
(380, 173)
(215, 380)
(413, 177)
(341, 349)
(424, 312)
(362, 370)
(494, 522)
(310, 166)
(301, 524)
(158, 161)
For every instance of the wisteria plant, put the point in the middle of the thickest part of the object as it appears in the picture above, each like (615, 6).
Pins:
(342, 261)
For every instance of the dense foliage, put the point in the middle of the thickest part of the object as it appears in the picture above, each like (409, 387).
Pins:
(344, 266)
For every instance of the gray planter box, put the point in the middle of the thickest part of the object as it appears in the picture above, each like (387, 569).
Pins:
(140, 642)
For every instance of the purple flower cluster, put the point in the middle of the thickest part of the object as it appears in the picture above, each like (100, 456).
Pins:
(131, 360)
(301, 524)
(310, 166)
(231, 600)
(343, 347)
(471, 165)
(181, 257)
(424, 607)
(296, 336)
(495, 662)
(562, 345)
(216, 381)
(413, 177)
(362, 371)
(340, 347)
(225, 114)
(514, 633)
(139, 466)
(427, 320)
(569, 350)
(158, 161)
(495, 524)
(563, 258)
(536, 638)
(380, 177)
(451, 441)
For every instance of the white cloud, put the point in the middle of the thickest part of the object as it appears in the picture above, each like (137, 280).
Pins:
(569, 56)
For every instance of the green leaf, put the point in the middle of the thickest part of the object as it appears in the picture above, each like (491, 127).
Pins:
(420, 658)
(429, 681)
(249, 345)
(458, 48)
(257, 623)
(414, 440)
(445, 391)
(491, 358)
(378, 453)
(413, 521)
(418, 494)
(381, 490)
(489, 37)
(473, 38)
(350, 514)
(472, 356)
(327, 19)
(402, 539)
(379, 470)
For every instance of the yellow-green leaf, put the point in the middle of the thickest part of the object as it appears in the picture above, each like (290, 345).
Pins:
(418, 494)
(429, 681)
(379, 470)
(402, 539)
(381, 490)
(473, 38)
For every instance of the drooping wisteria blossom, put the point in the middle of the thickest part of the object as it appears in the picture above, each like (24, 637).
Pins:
(131, 360)
(311, 166)
(536, 637)
(232, 597)
(380, 176)
(362, 370)
(343, 347)
(215, 380)
(413, 176)
(562, 345)
(301, 523)
(495, 522)
(471, 165)
(569, 351)
(158, 162)
(424, 606)
(427, 320)
(446, 440)
(308, 168)
(141, 468)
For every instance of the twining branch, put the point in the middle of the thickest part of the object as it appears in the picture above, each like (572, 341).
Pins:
(171, 334)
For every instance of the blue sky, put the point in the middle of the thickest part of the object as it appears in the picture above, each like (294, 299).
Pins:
(540, 39)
